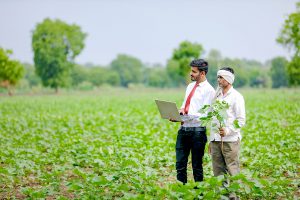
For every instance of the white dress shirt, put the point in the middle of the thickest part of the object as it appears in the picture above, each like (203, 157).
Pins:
(203, 95)
(236, 111)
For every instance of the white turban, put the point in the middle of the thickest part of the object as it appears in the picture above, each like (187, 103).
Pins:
(228, 76)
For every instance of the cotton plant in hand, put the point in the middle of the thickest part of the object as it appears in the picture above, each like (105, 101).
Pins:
(216, 110)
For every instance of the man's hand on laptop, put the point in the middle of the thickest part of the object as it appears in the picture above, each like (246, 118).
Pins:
(181, 111)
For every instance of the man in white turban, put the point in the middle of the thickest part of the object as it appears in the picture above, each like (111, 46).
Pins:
(225, 142)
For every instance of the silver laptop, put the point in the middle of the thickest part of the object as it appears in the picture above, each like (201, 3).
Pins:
(168, 110)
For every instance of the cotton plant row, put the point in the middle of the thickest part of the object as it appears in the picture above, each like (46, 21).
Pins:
(70, 147)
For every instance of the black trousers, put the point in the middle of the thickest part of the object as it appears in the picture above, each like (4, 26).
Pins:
(190, 141)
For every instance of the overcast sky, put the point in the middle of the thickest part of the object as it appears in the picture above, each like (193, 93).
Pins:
(150, 30)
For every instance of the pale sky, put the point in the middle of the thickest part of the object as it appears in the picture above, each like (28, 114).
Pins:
(151, 29)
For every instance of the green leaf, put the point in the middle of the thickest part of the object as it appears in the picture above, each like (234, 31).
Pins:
(236, 124)
(204, 108)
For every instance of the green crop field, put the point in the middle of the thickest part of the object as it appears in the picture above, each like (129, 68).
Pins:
(114, 145)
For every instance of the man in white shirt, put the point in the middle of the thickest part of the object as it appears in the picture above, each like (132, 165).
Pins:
(191, 135)
(225, 157)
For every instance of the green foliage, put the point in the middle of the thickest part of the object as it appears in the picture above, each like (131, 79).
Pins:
(112, 78)
(128, 68)
(95, 75)
(11, 71)
(214, 60)
(290, 37)
(114, 145)
(157, 77)
(278, 72)
(241, 77)
(55, 45)
(178, 66)
(290, 33)
(79, 74)
(217, 110)
(173, 67)
(247, 72)
(293, 70)
(258, 78)
(100, 75)
(85, 85)
(31, 76)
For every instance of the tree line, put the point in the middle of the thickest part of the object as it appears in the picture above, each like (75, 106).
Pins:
(56, 44)
(128, 71)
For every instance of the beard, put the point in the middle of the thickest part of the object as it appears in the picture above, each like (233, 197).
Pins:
(193, 78)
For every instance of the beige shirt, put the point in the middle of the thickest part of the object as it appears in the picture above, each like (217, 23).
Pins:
(236, 111)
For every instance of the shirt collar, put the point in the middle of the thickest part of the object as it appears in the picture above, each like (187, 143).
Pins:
(228, 92)
(202, 83)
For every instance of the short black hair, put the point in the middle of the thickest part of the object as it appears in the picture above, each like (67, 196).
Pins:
(228, 69)
(201, 64)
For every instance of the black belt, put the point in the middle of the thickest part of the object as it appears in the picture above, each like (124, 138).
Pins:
(201, 128)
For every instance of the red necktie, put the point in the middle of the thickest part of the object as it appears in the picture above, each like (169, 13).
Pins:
(188, 100)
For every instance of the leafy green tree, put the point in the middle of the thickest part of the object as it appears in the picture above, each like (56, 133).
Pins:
(173, 72)
(55, 45)
(293, 70)
(112, 78)
(178, 66)
(290, 37)
(128, 68)
(79, 74)
(157, 77)
(95, 75)
(241, 78)
(214, 59)
(30, 75)
(11, 71)
(102, 75)
(259, 78)
(278, 72)
(256, 72)
(240, 70)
